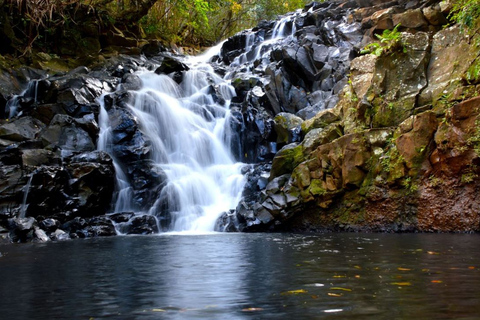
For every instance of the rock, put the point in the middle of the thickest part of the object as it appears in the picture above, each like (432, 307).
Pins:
(38, 157)
(434, 15)
(99, 226)
(68, 135)
(21, 229)
(286, 160)
(144, 224)
(413, 145)
(21, 129)
(288, 128)
(170, 65)
(40, 236)
(59, 235)
(49, 224)
(92, 184)
(410, 19)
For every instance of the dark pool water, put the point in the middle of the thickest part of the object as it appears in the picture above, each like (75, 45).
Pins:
(244, 276)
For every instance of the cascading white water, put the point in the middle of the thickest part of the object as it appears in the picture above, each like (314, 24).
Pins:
(23, 208)
(187, 130)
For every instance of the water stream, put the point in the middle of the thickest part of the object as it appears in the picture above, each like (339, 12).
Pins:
(187, 126)
(189, 143)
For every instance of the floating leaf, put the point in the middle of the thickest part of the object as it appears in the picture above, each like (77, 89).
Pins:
(401, 283)
(404, 269)
(437, 281)
(432, 252)
(334, 294)
(339, 276)
(471, 268)
(340, 288)
(332, 310)
(159, 310)
(295, 291)
(357, 276)
(357, 267)
(252, 309)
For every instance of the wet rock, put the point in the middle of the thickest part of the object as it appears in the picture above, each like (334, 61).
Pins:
(288, 128)
(38, 157)
(170, 65)
(21, 129)
(40, 236)
(59, 235)
(49, 224)
(68, 135)
(21, 229)
(142, 224)
(98, 227)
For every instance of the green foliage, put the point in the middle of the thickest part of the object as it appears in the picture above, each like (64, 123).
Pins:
(390, 41)
(205, 22)
(465, 12)
(472, 75)
(410, 185)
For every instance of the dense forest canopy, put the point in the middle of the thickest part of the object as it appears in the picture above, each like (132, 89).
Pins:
(43, 23)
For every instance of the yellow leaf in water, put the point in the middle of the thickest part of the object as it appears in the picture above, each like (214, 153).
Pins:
(340, 288)
(404, 269)
(357, 276)
(158, 310)
(357, 267)
(297, 291)
(337, 276)
(437, 281)
(252, 309)
(334, 294)
(471, 268)
(432, 252)
(401, 283)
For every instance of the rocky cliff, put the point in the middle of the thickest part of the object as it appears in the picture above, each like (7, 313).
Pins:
(399, 150)
(336, 138)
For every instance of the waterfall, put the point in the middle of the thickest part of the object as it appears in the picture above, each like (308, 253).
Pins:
(188, 132)
(13, 105)
(23, 208)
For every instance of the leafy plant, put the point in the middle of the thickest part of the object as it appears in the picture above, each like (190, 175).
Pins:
(465, 12)
(390, 40)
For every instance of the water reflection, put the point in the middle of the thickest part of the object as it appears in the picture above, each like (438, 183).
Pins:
(244, 276)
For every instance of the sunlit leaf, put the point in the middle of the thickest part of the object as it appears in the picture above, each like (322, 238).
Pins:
(159, 310)
(334, 294)
(357, 267)
(471, 268)
(295, 291)
(357, 276)
(340, 288)
(401, 283)
(432, 252)
(404, 269)
(437, 281)
(332, 310)
(252, 309)
(425, 270)
(339, 276)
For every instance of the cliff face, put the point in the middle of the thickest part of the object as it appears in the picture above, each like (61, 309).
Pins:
(399, 151)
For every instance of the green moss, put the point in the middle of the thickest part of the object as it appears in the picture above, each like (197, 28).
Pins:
(286, 160)
(316, 188)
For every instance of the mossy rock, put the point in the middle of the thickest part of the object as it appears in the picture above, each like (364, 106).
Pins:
(286, 160)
